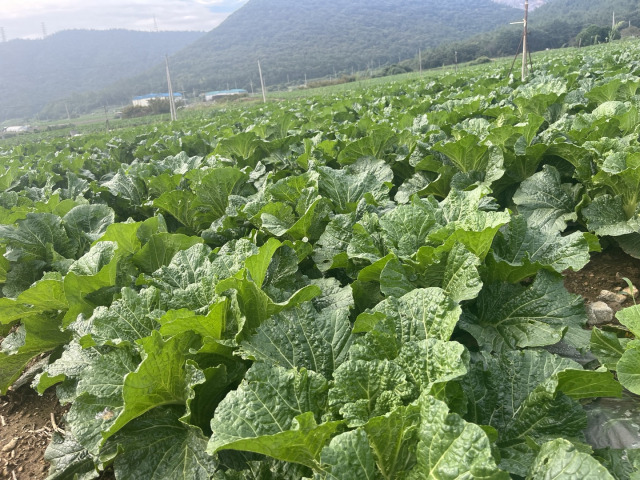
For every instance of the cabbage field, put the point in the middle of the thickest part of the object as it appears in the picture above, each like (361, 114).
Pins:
(358, 285)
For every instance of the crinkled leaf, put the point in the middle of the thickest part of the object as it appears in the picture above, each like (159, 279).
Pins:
(432, 361)
(345, 188)
(161, 379)
(265, 404)
(161, 248)
(450, 448)
(40, 236)
(348, 457)
(393, 437)
(159, 446)
(546, 202)
(69, 459)
(517, 393)
(559, 459)
(131, 318)
(366, 389)
(520, 250)
(606, 347)
(507, 316)
(302, 338)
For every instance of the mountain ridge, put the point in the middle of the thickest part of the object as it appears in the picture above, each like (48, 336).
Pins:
(65, 63)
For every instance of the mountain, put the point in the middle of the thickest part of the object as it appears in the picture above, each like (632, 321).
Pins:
(553, 25)
(317, 38)
(533, 4)
(35, 72)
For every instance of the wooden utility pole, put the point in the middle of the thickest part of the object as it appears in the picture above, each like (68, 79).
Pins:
(264, 93)
(106, 117)
(172, 104)
(524, 43)
(525, 34)
(456, 59)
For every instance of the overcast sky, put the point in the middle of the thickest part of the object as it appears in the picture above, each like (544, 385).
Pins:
(24, 18)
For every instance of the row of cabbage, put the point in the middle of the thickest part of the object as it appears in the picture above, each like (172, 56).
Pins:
(356, 286)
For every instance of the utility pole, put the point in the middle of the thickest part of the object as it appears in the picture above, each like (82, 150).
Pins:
(524, 42)
(251, 83)
(456, 60)
(420, 60)
(264, 93)
(525, 47)
(172, 104)
(67, 109)
(106, 117)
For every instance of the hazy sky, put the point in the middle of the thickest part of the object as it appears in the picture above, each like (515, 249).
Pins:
(24, 18)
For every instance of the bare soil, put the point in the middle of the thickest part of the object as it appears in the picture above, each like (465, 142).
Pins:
(25, 431)
(25, 416)
(605, 271)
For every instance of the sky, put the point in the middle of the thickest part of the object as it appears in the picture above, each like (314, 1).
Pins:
(24, 18)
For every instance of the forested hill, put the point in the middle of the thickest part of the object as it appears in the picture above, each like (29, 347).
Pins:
(555, 24)
(315, 37)
(35, 72)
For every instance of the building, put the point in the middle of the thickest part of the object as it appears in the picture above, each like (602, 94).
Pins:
(19, 129)
(143, 100)
(210, 96)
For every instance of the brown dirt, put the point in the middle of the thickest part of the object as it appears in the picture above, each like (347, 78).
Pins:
(25, 432)
(605, 271)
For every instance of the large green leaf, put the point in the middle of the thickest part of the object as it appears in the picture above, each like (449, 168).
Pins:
(331, 248)
(38, 334)
(348, 457)
(393, 437)
(432, 362)
(256, 306)
(160, 249)
(40, 236)
(451, 448)
(131, 318)
(628, 369)
(214, 189)
(406, 227)
(302, 338)
(366, 389)
(520, 250)
(265, 404)
(517, 393)
(507, 316)
(69, 459)
(345, 188)
(561, 460)
(161, 379)
(158, 446)
(87, 223)
(546, 202)
(420, 314)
